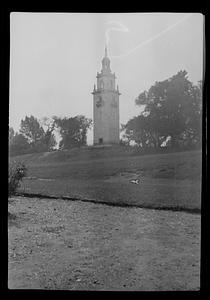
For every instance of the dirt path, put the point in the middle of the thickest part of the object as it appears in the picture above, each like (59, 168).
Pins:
(57, 244)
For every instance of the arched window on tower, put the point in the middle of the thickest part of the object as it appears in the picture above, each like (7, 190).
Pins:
(102, 84)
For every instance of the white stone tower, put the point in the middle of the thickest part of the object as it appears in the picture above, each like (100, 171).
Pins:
(105, 106)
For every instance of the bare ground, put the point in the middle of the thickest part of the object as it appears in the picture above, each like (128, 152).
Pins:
(57, 244)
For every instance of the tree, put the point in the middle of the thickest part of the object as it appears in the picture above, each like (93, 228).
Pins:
(136, 130)
(85, 124)
(48, 140)
(143, 131)
(19, 145)
(32, 130)
(193, 131)
(38, 139)
(173, 109)
(73, 131)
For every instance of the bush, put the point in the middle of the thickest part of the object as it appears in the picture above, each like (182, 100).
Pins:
(17, 171)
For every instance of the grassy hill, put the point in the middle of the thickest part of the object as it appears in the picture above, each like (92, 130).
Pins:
(169, 180)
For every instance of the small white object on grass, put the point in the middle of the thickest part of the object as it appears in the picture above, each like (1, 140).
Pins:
(136, 181)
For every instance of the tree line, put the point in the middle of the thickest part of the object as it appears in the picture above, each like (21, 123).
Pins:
(171, 115)
(39, 136)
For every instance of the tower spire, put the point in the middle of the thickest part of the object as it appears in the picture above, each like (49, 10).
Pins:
(106, 62)
(105, 50)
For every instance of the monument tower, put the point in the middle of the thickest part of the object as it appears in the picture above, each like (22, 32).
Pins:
(105, 106)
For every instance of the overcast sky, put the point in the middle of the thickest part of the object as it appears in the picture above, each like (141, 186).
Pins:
(54, 58)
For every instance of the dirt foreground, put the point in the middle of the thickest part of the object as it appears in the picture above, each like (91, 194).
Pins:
(58, 244)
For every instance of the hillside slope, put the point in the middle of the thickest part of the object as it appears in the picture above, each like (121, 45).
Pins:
(105, 175)
(87, 162)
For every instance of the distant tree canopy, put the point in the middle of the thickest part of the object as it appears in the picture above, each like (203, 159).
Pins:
(172, 114)
(32, 136)
(38, 139)
(73, 131)
(31, 129)
(18, 144)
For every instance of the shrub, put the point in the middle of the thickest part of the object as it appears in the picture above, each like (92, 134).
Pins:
(17, 171)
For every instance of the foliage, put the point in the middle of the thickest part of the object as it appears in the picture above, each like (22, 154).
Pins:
(11, 133)
(17, 171)
(32, 137)
(172, 111)
(31, 129)
(73, 131)
(48, 140)
(18, 145)
(38, 136)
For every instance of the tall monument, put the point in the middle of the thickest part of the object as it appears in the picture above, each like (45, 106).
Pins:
(105, 106)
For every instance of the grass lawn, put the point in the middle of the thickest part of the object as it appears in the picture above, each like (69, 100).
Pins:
(170, 180)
